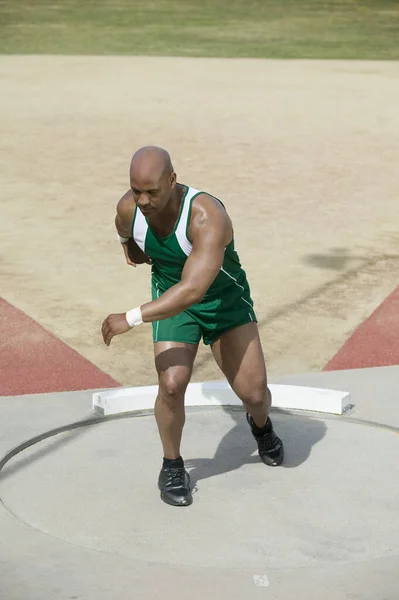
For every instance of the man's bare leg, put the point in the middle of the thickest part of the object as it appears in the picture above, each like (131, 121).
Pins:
(239, 355)
(174, 363)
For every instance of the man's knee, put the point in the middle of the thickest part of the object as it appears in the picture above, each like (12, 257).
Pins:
(256, 394)
(172, 387)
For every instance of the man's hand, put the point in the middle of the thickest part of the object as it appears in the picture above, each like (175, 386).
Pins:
(126, 251)
(114, 325)
(134, 255)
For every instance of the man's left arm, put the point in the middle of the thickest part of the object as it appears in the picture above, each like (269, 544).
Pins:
(200, 270)
(210, 236)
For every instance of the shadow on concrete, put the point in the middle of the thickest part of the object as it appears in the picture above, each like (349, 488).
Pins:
(298, 432)
(237, 448)
(349, 267)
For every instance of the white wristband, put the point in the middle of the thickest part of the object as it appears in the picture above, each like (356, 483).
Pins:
(134, 317)
(122, 240)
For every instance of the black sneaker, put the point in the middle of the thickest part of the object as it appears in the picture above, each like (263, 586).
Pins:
(270, 447)
(174, 484)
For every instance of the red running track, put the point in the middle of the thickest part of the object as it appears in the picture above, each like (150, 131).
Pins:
(33, 360)
(375, 343)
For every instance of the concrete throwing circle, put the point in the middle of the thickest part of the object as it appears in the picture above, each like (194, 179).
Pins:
(335, 501)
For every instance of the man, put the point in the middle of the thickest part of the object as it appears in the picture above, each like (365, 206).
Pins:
(199, 290)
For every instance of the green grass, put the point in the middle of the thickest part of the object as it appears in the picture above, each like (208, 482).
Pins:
(355, 29)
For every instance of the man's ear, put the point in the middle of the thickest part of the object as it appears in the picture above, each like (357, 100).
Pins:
(173, 180)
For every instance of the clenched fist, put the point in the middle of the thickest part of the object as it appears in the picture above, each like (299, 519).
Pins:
(114, 325)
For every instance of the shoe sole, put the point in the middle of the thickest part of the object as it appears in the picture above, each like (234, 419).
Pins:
(275, 463)
(188, 502)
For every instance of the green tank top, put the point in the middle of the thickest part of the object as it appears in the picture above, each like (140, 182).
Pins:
(169, 253)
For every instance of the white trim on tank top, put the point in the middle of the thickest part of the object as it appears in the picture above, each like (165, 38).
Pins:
(140, 228)
(181, 229)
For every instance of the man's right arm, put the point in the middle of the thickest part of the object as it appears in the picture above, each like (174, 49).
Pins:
(124, 215)
(123, 223)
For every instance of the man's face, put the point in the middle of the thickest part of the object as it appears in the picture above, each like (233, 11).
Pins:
(152, 194)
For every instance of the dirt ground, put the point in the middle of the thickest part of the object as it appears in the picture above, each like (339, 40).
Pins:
(303, 153)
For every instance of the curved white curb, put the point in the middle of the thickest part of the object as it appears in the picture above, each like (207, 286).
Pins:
(219, 393)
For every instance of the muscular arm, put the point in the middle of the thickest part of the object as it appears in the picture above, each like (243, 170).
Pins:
(124, 215)
(210, 231)
(123, 223)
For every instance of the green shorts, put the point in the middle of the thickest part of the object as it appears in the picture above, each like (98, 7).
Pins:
(209, 319)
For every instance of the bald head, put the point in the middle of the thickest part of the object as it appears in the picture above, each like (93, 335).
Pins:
(152, 178)
(150, 163)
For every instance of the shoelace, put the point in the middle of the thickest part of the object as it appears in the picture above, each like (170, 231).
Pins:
(269, 441)
(177, 476)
